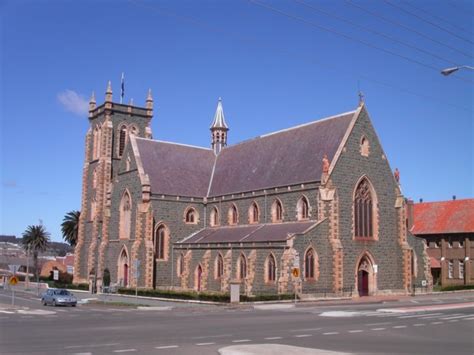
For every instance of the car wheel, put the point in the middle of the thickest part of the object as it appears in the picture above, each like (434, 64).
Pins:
(54, 303)
(73, 305)
(44, 302)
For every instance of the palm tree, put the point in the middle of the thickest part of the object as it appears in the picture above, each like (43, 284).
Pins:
(35, 239)
(70, 227)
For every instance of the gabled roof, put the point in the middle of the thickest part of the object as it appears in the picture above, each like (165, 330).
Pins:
(283, 158)
(175, 169)
(444, 217)
(275, 232)
(288, 157)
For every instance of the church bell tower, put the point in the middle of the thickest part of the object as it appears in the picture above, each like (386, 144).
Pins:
(219, 129)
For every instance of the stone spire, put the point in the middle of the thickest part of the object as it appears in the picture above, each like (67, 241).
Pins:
(219, 129)
(92, 103)
(108, 92)
(149, 100)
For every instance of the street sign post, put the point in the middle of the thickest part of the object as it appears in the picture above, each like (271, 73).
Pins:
(295, 272)
(12, 282)
(137, 275)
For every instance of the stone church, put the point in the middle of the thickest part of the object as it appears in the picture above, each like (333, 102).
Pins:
(320, 198)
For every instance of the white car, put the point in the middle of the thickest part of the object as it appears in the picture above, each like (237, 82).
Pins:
(58, 297)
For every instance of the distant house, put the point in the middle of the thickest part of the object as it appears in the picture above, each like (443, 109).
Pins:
(448, 230)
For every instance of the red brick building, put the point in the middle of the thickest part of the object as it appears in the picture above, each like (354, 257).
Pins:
(448, 230)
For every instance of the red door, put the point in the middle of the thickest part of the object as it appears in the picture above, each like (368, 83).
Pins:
(125, 275)
(363, 283)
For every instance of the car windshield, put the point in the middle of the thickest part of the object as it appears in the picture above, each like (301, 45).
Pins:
(62, 293)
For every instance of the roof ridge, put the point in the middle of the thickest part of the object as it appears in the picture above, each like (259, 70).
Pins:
(173, 143)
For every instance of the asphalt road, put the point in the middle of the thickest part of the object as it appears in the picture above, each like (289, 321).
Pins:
(195, 329)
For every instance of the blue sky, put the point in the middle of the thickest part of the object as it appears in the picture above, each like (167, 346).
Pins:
(272, 69)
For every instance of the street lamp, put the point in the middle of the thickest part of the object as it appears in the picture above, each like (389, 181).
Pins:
(449, 71)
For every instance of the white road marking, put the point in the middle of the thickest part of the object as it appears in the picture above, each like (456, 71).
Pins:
(412, 301)
(125, 351)
(419, 325)
(302, 335)
(378, 328)
(7, 312)
(305, 330)
(381, 323)
(213, 336)
(420, 315)
(273, 338)
(331, 333)
(453, 320)
(90, 346)
(472, 318)
(436, 322)
(241, 341)
(166, 347)
(82, 354)
(456, 317)
(203, 344)
(399, 326)
(356, 331)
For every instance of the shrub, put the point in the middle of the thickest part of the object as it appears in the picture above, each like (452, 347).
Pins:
(182, 295)
(457, 287)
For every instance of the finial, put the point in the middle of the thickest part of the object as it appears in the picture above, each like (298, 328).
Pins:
(149, 100)
(396, 175)
(219, 119)
(108, 92)
(361, 98)
(325, 164)
(92, 102)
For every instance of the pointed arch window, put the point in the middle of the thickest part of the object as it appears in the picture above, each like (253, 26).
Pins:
(94, 178)
(125, 216)
(214, 217)
(160, 242)
(191, 216)
(123, 268)
(254, 214)
(122, 139)
(233, 215)
(271, 268)
(96, 142)
(219, 266)
(180, 268)
(277, 211)
(93, 208)
(303, 208)
(242, 267)
(364, 210)
(309, 264)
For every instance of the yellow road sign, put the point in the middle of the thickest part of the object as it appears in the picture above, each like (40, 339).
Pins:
(13, 280)
(295, 272)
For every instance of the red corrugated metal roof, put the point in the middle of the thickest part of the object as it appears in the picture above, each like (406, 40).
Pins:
(456, 216)
(434, 263)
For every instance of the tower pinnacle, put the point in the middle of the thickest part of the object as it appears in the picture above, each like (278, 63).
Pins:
(219, 129)
(108, 92)
(149, 100)
(92, 103)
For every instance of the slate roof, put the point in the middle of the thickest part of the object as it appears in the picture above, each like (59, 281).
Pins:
(275, 232)
(444, 217)
(283, 158)
(175, 169)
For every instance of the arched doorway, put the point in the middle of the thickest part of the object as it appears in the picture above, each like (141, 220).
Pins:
(123, 268)
(366, 284)
(198, 278)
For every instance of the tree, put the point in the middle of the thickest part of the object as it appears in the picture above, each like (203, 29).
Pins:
(35, 240)
(70, 227)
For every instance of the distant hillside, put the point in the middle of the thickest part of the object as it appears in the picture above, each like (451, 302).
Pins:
(54, 249)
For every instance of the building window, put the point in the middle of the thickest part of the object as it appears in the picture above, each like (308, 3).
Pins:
(364, 210)
(242, 267)
(302, 208)
(191, 216)
(450, 269)
(94, 178)
(461, 244)
(219, 266)
(254, 214)
(271, 268)
(214, 217)
(461, 269)
(437, 244)
(449, 243)
(309, 262)
(125, 216)
(277, 211)
(93, 208)
(160, 242)
(180, 266)
(122, 139)
(233, 215)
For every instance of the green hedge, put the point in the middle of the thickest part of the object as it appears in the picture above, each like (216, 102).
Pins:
(203, 296)
(457, 287)
(84, 287)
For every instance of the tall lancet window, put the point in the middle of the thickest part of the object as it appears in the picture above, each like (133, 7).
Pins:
(303, 208)
(364, 205)
(254, 214)
(160, 242)
(233, 215)
(122, 139)
(214, 217)
(125, 216)
(277, 211)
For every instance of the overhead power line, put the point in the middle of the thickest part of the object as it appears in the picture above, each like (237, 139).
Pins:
(427, 21)
(365, 43)
(439, 18)
(374, 14)
(262, 44)
(378, 33)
